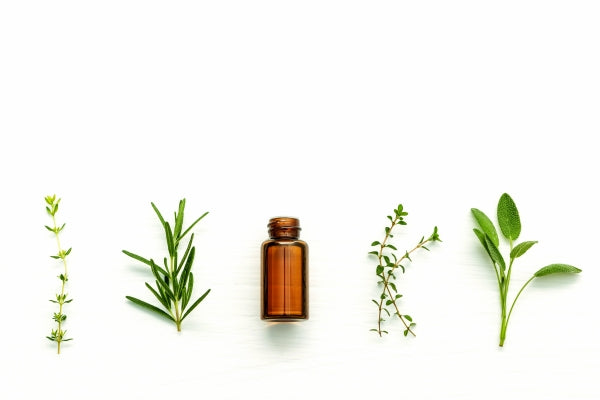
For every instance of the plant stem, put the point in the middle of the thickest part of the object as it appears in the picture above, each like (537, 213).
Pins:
(175, 301)
(386, 279)
(505, 322)
(61, 300)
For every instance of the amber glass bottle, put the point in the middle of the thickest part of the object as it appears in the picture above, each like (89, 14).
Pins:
(284, 275)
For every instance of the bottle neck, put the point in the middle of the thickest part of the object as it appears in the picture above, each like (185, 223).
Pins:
(284, 228)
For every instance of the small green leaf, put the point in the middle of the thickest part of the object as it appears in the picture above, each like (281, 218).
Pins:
(508, 217)
(149, 307)
(391, 246)
(486, 225)
(495, 253)
(557, 269)
(406, 332)
(388, 302)
(481, 236)
(195, 304)
(375, 301)
(393, 286)
(379, 270)
(192, 225)
(408, 317)
(375, 253)
(160, 217)
(375, 243)
(521, 248)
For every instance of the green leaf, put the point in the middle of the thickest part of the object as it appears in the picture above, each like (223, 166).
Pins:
(557, 269)
(388, 302)
(375, 243)
(521, 248)
(158, 296)
(195, 304)
(486, 225)
(375, 301)
(192, 225)
(149, 307)
(145, 261)
(393, 286)
(170, 242)
(185, 255)
(481, 236)
(391, 246)
(495, 253)
(379, 270)
(160, 217)
(186, 271)
(408, 317)
(508, 217)
(374, 253)
(179, 219)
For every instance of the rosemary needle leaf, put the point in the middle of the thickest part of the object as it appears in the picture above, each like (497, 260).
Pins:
(158, 296)
(149, 307)
(195, 304)
(160, 217)
(192, 225)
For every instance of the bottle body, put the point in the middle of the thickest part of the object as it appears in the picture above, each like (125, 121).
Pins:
(284, 273)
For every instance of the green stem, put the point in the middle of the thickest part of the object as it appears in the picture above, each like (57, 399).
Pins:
(59, 332)
(175, 301)
(505, 324)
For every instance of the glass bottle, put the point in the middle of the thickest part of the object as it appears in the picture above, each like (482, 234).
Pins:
(284, 272)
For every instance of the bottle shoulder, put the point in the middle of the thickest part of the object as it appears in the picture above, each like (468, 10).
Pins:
(284, 242)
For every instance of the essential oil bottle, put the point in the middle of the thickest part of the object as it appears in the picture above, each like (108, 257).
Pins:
(284, 272)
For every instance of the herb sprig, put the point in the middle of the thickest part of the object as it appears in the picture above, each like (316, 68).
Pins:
(58, 334)
(510, 226)
(174, 282)
(387, 265)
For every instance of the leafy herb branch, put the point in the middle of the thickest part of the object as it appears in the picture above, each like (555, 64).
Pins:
(174, 282)
(58, 334)
(387, 266)
(510, 226)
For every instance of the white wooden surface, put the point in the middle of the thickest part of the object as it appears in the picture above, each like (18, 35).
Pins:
(334, 112)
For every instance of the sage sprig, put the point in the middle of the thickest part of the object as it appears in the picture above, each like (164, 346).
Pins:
(173, 283)
(388, 264)
(58, 334)
(510, 226)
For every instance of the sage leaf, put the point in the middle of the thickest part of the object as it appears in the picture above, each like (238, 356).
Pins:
(508, 217)
(557, 269)
(521, 248)
(486, 225)
(495, 253)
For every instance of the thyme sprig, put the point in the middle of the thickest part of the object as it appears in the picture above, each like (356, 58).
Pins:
(510, 226)
(387, 265)
(174, 282)
(58, 334)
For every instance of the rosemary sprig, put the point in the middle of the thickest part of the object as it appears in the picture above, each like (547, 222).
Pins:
(58, 335)
(174, 282)
(510, 226)
(387, 265)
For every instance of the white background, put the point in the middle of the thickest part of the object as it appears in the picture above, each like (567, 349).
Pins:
(331, 111)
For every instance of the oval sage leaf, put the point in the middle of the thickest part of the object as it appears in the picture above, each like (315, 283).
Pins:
(557, 269)
(486, 225)
(508, 217)
(521, 248)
